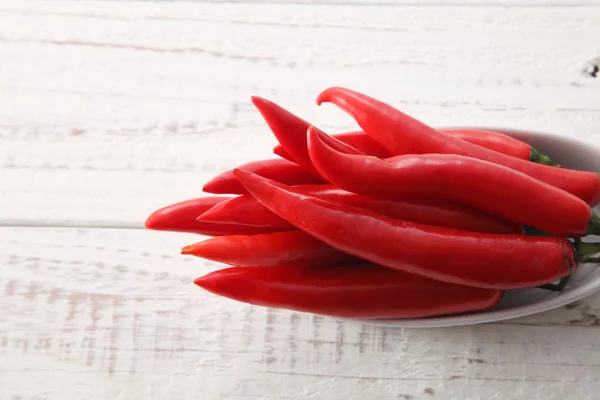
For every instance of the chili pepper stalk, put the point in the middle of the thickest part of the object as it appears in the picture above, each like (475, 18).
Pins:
(540, 158)
(585, 251)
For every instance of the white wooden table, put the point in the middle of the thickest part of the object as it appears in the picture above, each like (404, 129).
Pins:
(110, 110)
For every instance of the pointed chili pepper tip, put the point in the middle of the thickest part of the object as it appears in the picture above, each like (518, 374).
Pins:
(204, 282)
(259, 101)
(207, 217)
(158, 220)
(189, 249)
(241, 174)
(327, 94)
(252, 182)
(149, 223)
(216, 185)
(208, 249)
(265, 107)
(221, 282)
(329, 141)
(208, 187)
(204, 218)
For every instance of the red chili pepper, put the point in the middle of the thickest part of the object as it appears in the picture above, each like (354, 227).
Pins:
(495, 141)
(363, 143)
(276, 169)
(347, 291)
(474, 259)
(358, 140)
(181, 217)
(247, 210)
(489, 139)
(402, 134)
(490, 187)
(293, 248)
(280, 151)
(290, 131)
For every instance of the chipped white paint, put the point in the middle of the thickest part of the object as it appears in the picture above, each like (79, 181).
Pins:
(110, 110)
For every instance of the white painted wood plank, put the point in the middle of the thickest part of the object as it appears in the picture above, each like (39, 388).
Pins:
(111, 110)
(415, 3)
(346, 3)
(98, 314)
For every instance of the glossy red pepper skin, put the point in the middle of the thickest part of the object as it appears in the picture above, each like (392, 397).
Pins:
(246, 209)
(364, 291)
(489, 139)
(490, 187)
(496, 141)
(363, 143)
(290, 131)
(276, 169)
(293, 248)
(278, 150)
(181, 217)
(401, 134)
(358, 140)
(474, 259)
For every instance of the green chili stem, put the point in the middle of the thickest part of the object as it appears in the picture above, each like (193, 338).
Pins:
(540, 158)
(587, 250)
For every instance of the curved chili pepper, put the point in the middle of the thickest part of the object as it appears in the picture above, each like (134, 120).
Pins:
(484, 260)
(489, 139)
(402, 134)
(499, 142)
(276, 169)
(347, 291)
(181, 217)
(290, 131)
(247, 210)
(293, 248)
(490, 187)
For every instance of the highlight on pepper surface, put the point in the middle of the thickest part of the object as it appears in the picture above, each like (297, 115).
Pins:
(395, 220)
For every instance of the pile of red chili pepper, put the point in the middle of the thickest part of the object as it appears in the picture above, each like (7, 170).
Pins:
(397, 220)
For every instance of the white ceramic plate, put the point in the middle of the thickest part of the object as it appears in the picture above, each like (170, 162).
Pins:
(518, 303)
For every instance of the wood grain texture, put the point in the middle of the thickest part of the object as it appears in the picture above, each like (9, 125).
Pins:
(110, 110)
(99, 314)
